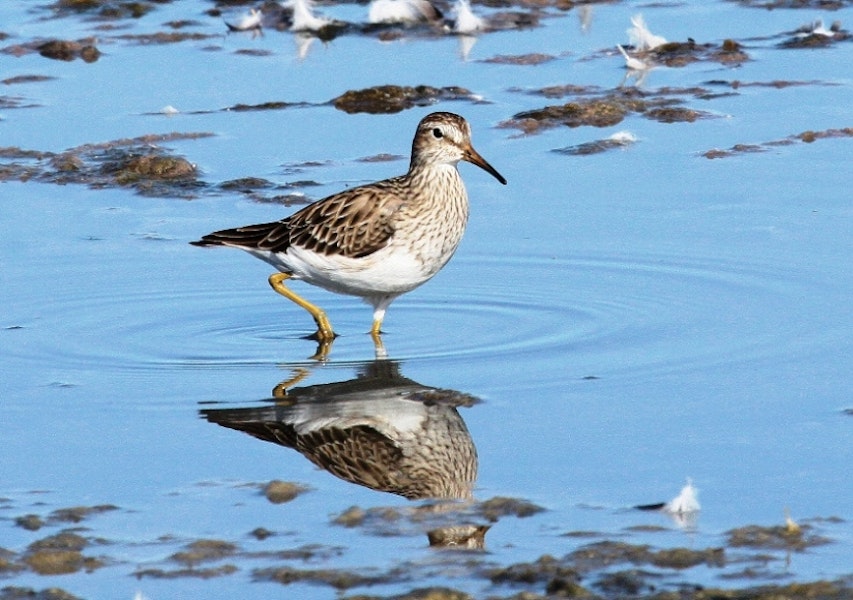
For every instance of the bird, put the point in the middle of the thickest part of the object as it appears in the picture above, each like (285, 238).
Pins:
(375, 241)
(466, 21)
(380, 430)
(249, 22)
(403, 11)
(304, 18)
(632, 63)
(641, 38)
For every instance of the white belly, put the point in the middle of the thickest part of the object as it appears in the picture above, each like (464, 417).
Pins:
(390, 271)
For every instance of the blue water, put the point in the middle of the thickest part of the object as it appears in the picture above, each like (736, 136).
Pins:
(628, 319)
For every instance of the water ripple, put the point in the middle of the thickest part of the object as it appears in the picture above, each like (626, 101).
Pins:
(607, 313)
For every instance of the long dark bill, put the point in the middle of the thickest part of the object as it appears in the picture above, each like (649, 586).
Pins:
(473, 157)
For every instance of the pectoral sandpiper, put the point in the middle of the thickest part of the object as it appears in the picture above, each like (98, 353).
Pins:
(376, 241)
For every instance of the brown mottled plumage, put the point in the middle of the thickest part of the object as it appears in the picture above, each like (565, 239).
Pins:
(381, 430)
(375, 241)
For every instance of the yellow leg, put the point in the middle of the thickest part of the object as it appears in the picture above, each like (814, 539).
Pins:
(376, 330)
(376, 334)
(324, 328)
(279, 392)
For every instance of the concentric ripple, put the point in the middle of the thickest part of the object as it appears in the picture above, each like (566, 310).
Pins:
(614, 314)
(601, 313)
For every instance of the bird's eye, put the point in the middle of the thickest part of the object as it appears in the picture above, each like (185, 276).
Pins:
(437, 133)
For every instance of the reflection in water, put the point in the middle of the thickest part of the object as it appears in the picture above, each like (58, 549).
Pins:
(379, 430)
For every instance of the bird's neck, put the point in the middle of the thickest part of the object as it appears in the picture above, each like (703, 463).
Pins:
(439, 182)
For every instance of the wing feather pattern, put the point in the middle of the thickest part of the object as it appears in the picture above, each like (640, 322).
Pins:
(354, 223)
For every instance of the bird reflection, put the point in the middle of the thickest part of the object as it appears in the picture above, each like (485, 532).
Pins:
(379, 430)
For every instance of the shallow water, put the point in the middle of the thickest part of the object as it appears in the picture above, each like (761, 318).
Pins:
(628, 319)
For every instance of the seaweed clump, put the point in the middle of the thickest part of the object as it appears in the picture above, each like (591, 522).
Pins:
(386, 99)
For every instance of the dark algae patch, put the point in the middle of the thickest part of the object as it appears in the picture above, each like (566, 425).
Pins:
(139, 163)
(60, 554)
(606, 569)
(385, 99)
(69, 50)
(26, 593)
(806, 137)
(778, 537)
(605, 109)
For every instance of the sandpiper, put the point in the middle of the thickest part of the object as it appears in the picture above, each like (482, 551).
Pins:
(376, 241)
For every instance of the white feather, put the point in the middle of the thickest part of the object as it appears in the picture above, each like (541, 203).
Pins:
(304, 18)
(466, 20)
(686, 502)
(640, 36)
(400, 11)
(632, 62)
(247, 22)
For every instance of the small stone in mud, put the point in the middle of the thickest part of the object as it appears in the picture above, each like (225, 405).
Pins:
(152, 166)
(90, 54)
(68, 50)
(30, 522)
(59, 50)
(499, 506)
(351, 517)
(279, 492)
(459, 537)
(261, 533)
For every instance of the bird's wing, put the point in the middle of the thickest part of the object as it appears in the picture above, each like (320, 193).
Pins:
(353, 223)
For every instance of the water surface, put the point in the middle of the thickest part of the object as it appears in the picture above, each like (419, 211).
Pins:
(628, 319)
